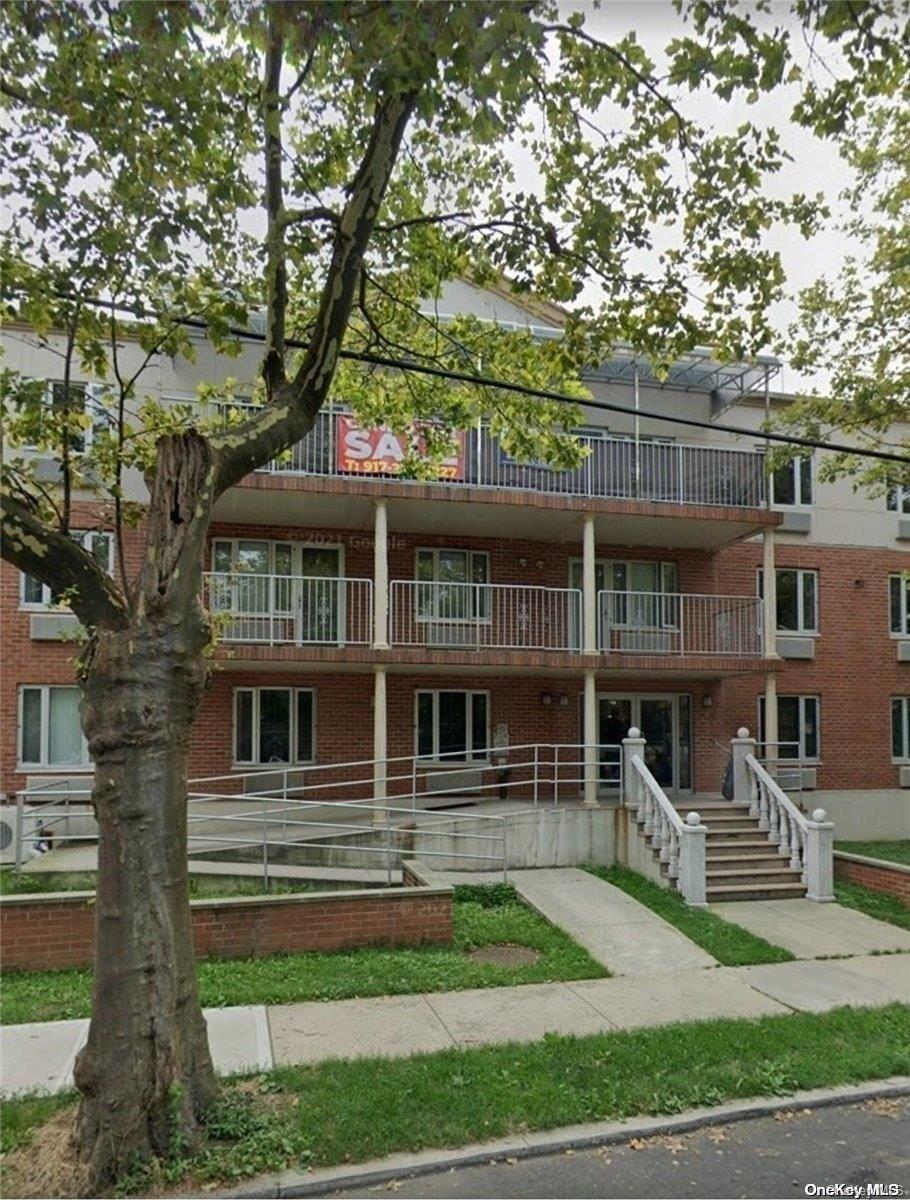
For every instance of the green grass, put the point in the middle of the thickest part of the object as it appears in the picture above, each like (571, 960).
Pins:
(340, 1112)
(480, 919)
(201, 886)
(730, 944)
(874, 904)
(897, 852)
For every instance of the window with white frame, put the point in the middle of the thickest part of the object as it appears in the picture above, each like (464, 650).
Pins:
(274, 725)
(35, 594)
(791, 484)
(50, 733)
(239, 565)
(452, 725)
(450, 585)
(797, 727)
(899, 604)
(900, 728)
(797, 599)
(640, 593)
(898, 498)
(85, 400)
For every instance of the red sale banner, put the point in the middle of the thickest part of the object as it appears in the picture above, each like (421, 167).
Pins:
(381, 452)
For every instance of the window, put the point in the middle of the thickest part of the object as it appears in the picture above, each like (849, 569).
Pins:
(900, 727)
(35, 594)
(443, 592)
(655, 605)
(899, 587)
(453, 725)
(50, 734)
(792, 483)
(274, 725)
(238, 563)
(898, 499)
(797, 599)
(797, 727)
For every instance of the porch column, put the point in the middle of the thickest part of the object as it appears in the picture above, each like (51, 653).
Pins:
(771, 748)
(381, 576)
(769, 590)
(380, 744)
(589, 588)
(591, 762)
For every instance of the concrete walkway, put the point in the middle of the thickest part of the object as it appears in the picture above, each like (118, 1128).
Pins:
(620, 933)
(254, 1038)
(810, 930)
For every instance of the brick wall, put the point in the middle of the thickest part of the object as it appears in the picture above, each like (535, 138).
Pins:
(48, 932)
(878, 877)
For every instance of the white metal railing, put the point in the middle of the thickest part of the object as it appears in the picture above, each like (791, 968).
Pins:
(290, 609)
(675, 623)
(477, 615)
(614, 467)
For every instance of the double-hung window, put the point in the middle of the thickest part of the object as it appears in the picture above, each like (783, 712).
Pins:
(274, 725)
(452, 726)
(797, 599)
(252, 577)
(35, 594)
(50, 734)
(797, 727)
(451, 585)
(899, 607)
(791, 484)
(900, 728)
(898, 498)
(639, 595)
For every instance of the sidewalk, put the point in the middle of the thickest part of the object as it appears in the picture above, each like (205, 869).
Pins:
(255, 1038)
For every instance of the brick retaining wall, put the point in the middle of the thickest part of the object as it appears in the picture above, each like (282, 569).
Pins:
(58, 929)
(878, 876)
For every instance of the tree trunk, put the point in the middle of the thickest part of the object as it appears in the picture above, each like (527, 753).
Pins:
(146, 1073)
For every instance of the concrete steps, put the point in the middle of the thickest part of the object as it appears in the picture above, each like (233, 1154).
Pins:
(741, 864)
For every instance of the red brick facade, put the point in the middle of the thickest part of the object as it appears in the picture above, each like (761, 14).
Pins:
(877, 877)
(39, 933)
(855, 671)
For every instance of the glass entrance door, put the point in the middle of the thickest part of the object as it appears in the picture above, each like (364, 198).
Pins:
(321, 602)
(665, 723)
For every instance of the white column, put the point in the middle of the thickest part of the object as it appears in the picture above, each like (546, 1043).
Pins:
(769, 590)
(633, 746)
(381, 576)
(592, 764)
(380, 743)
(819, 851)
(589, 587)
(771, 727)
(692, 878)
(740, 746)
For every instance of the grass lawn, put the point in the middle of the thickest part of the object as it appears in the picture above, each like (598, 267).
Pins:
(897, 852)
(731, 945)
(482, 917)
(201, 886)
(874, 904)
(339, 1112)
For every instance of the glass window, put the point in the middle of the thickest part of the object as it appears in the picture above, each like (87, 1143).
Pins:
(452, 724)
(900, 727)
(792, 483)
(654, 582)
(50, 733)
(899, 596)
(100, 545)
(445, 577)
(898, 499)
(797, 727)
(274, 725)
(797, 599)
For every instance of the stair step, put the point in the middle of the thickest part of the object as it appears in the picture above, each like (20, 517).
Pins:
(755, 891)
(740, 844)
(748, 876)
(701, 806)
(770, 862)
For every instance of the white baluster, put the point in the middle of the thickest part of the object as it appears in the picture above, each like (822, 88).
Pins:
(763, 823)
(664, 838)
(649, 812)
(796, 857)
(642, 795)
(673, 862)
(785, 827)
(773, 821)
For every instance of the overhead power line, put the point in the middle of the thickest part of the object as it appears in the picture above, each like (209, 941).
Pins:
(403, 364)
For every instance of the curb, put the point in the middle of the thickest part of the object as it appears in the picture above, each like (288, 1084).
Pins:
(572, 1137)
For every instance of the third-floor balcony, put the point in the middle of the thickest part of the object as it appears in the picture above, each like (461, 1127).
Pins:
(615, 467)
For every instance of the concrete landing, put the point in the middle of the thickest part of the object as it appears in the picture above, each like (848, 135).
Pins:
(623, 935)
(810, 930)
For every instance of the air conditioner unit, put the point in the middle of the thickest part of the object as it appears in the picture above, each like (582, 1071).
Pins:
(647, 641)
(452, 634)
(31, 824)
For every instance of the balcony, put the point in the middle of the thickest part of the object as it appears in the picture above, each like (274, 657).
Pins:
(295, 610)
(483, 616)
(616, 468)
(679, 624)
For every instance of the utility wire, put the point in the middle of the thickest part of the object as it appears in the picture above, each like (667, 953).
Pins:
(403, 364)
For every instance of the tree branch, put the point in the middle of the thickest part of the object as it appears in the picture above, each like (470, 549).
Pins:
(61, 563)
(276, 269)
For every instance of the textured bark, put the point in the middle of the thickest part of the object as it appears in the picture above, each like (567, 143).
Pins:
(146, 1074)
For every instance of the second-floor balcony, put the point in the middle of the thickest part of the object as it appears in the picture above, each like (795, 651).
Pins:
(614, 468)
(304, 611)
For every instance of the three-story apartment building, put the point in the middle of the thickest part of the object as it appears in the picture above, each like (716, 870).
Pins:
(667, 583)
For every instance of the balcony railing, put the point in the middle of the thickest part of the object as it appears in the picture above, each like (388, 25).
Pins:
(675, 623)
(616, 468)
(299, 610)
(478, 616)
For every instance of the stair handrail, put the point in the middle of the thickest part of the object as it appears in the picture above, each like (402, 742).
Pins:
(786, 827)
(679, 843)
